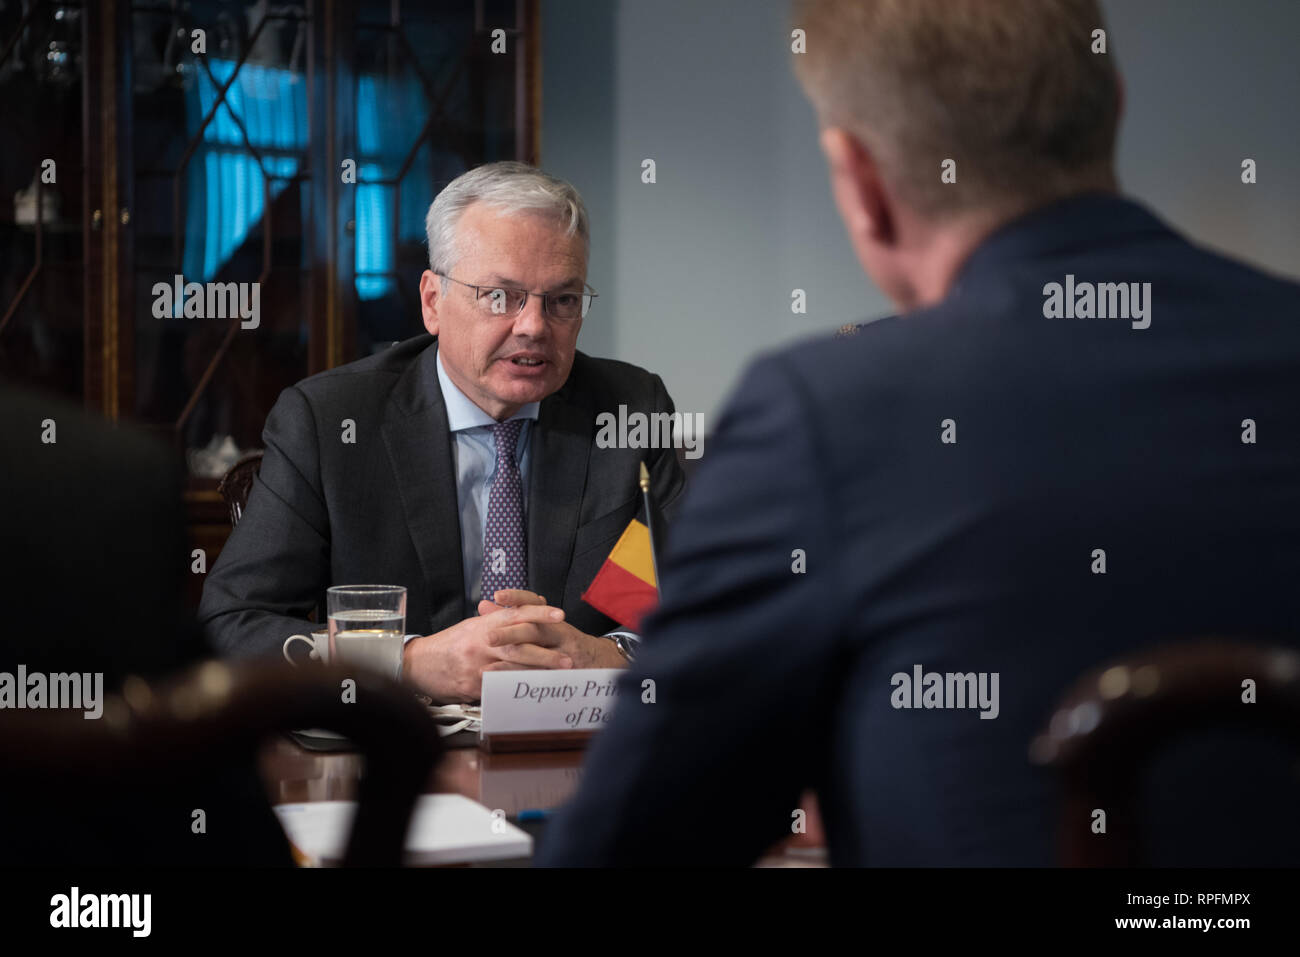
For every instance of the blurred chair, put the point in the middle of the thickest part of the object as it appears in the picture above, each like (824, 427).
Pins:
(1111, 731)
(211, 717)
(237, 483)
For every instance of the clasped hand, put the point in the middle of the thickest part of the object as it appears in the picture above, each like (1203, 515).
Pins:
(517, 631)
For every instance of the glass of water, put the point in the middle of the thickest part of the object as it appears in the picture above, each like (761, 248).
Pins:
(367, 624)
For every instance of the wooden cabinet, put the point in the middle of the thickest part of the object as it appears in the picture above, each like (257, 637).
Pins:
(284, 153)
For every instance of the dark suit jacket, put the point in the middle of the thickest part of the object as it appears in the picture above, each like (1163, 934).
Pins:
(1072, 435)
(94, 565)
(384, 509)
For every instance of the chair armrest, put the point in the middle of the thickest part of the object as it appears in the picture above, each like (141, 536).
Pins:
(222, 710)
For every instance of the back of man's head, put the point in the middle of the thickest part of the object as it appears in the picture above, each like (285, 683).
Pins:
(1011, 90)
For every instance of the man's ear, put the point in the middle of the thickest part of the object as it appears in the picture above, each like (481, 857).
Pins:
(430, 300)
(857, 187)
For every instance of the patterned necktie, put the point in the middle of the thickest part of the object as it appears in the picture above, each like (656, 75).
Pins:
(505, 543)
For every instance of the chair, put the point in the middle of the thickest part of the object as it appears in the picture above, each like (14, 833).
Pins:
(1116, 719)
(237, 483)
(217, 715)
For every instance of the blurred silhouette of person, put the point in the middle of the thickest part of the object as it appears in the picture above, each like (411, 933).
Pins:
(95, 564)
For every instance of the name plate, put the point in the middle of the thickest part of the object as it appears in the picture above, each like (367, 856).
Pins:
(546, 710)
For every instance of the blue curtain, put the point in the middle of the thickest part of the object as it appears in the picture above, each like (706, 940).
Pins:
(224, 183)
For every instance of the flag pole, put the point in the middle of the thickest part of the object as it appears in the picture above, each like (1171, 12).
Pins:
(649, 522)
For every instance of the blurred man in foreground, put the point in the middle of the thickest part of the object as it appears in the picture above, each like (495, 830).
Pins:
(1080, 437)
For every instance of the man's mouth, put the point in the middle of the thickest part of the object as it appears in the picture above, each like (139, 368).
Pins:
(527, 361)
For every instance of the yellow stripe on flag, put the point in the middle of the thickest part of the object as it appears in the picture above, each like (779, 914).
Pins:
(632, 553)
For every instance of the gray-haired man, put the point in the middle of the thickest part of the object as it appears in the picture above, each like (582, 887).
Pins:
(474, 473)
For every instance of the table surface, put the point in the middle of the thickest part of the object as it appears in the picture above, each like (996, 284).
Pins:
(536, 780)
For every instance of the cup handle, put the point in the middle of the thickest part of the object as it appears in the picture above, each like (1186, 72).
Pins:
(292, 638)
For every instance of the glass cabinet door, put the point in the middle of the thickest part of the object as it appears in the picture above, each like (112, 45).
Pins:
(282, 160)
(42, 209)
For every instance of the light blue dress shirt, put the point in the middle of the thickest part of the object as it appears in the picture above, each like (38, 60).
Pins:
(474, 456)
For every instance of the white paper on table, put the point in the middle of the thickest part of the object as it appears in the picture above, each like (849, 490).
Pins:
(452, 718)
(444, 829)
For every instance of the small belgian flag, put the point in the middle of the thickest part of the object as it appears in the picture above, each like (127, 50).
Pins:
(627, 586)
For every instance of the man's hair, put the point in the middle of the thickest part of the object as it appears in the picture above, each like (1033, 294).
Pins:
(1009, 89)
(508, 186)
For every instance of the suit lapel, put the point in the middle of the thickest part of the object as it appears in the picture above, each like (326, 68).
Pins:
(419, 448)
(557, 473)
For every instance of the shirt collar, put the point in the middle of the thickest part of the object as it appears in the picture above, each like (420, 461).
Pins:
(462, 413)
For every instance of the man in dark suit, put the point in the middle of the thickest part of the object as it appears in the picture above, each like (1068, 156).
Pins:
(462, 464)
(1000, 483)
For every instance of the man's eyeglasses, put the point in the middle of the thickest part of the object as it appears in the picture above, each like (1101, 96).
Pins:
(504, 301)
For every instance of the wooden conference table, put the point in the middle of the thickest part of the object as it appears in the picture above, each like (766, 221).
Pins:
(514, 782)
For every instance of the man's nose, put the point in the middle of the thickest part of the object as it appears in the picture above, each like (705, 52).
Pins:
(531, 321)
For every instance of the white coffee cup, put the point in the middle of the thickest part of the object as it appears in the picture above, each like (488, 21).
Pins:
(319, 642)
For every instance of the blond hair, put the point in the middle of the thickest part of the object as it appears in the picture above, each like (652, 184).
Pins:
(1009, 89)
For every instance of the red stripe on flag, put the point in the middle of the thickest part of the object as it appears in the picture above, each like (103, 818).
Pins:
(618, 594)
